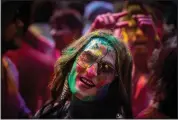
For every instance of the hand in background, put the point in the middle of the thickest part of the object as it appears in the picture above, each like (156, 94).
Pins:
(146, 23)
(108, 21)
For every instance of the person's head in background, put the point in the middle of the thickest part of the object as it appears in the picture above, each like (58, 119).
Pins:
(12, 26)
(42, 10)
(78, 6)
(38, 31)
(66, 26)
(142, 35)
(93, 9)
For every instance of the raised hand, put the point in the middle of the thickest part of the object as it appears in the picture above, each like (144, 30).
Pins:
(146, 23)
(107, 21)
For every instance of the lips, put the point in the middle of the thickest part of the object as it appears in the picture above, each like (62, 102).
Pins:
(87, 82)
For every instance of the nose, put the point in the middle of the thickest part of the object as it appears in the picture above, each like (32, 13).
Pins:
(92, 71)
(139, 32)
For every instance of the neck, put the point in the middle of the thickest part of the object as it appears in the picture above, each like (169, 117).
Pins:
(94, 109)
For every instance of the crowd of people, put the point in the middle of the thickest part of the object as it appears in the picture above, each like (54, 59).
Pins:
(90, 60)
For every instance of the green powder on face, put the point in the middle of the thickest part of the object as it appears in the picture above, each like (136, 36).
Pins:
(94, 44)
(72, 79)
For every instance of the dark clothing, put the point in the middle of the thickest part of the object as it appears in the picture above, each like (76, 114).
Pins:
(78, 110)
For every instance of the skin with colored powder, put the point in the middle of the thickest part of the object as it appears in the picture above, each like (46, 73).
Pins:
(89, 80)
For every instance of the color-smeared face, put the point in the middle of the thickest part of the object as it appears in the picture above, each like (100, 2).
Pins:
(137, 38)
(93, 71)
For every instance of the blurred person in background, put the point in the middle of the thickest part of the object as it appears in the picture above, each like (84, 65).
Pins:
(163, 64)
(12, 103)
(163, 83)
(140, 27)
(66, 26)
(36, 58)
(93, 9)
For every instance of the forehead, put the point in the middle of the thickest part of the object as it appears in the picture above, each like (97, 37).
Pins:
(99, 47)
(98, 44)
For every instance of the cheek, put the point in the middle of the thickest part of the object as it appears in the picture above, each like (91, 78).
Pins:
(102, 81)
(80, 69)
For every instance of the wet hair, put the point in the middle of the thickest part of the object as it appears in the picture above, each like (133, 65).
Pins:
(59, 86)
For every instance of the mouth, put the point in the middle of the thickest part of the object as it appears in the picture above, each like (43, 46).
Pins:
(87, 82)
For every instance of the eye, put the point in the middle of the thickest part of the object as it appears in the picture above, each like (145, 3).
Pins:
(106, 68)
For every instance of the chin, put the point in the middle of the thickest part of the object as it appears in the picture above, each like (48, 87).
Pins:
(87, 93)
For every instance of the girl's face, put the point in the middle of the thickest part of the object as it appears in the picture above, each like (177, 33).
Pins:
(93, 71)
(137, 37)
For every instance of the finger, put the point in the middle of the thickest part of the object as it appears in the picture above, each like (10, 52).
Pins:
(111, 19)
(122, 24)
(100, 19)
(118, 15)
(148, 23)
(105, 19)
(142, 16)
(145, 19)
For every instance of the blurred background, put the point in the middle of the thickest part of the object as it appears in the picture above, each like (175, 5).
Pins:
(43, 28)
